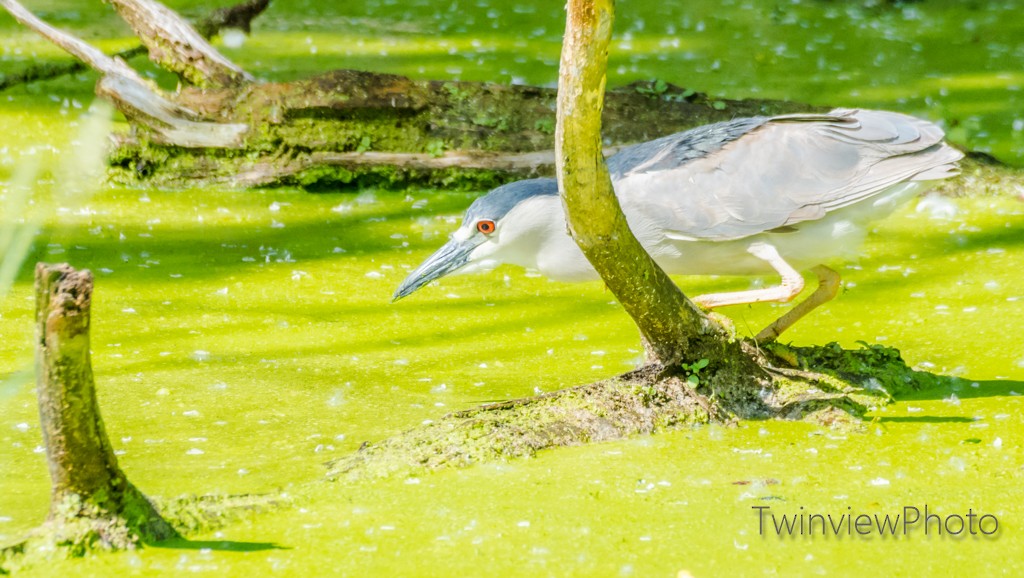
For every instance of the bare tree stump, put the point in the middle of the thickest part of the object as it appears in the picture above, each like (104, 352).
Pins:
(93, 505)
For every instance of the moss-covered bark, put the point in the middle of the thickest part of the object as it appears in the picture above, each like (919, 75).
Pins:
(827, 385)
(673, 328)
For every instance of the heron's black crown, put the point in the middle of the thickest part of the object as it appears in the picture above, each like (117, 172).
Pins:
(497, 203)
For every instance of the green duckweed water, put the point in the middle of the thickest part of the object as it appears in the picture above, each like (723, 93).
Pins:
(243, 338)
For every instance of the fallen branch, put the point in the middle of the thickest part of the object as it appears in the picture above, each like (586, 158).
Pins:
(239, 16)
(136, 98)
(175, 45)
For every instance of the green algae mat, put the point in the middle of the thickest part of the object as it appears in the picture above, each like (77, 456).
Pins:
(243, 339)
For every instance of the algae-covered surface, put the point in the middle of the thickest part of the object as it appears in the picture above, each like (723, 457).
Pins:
(241, 339)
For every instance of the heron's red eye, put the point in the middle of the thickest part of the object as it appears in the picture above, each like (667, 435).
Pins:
(485, 227)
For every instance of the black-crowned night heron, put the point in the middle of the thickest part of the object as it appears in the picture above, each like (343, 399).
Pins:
(750, 196)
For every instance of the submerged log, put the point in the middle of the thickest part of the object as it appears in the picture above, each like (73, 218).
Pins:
(826, 385)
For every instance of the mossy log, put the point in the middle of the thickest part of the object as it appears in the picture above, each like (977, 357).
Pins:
(92, 503)
(349, 126)
(346, 126)
(827, 385)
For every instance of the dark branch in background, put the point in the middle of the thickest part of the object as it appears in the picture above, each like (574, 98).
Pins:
(239, 16)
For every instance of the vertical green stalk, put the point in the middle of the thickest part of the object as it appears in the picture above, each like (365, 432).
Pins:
(668, 321)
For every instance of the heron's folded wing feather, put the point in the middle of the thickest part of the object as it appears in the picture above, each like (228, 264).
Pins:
(781, 172)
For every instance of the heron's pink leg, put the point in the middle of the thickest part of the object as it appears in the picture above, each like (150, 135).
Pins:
(791, 286)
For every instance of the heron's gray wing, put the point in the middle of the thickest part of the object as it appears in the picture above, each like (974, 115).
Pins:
(779, 171)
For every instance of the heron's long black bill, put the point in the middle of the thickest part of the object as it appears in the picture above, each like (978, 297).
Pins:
(450, 257)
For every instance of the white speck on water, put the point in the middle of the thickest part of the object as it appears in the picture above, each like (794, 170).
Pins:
(995, 251)
(937, 207)
(221, 291)
(739, 546)
(401, 362)
(342, 208)
(190, 413)
(453, 296)
(274, 207)
(598, 352)
(412, 481)
(128, 310)
(991, 285)
(299, 275)
(22, 427)
(970, 309)
(957, 464)
(879, 482)
(912, 409)
(523, 524)
(195, 452)
(1001, 416)
(374, 275)
(232, 38)
(5, 519)
(997, 443)
(366, 198)
(952, 399)
(200, 355)
(274, 224)
(439, 388)
(38, 450)
(242, 471)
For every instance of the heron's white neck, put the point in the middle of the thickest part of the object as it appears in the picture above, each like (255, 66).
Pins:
(534, 235)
